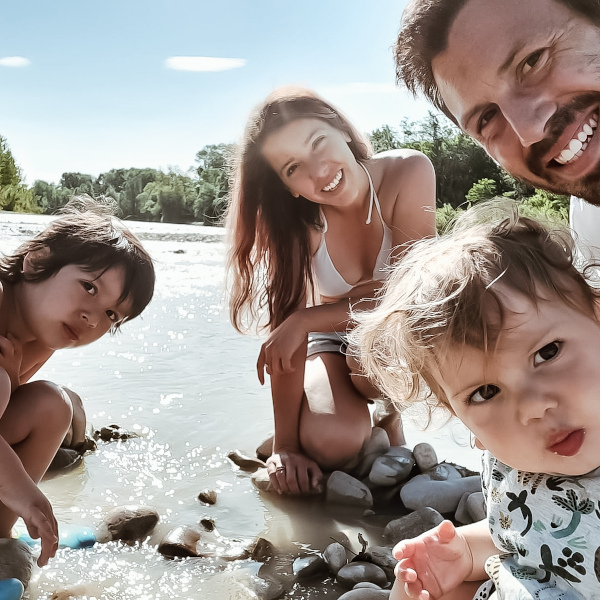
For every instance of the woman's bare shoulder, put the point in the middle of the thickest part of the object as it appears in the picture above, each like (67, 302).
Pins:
(400, 162)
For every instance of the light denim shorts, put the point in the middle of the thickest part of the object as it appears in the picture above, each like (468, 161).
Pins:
(326, 342)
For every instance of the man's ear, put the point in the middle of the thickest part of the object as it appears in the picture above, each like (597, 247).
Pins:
(32, 260)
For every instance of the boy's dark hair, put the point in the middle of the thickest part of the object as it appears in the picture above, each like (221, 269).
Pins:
(86, 234)
(424, 35)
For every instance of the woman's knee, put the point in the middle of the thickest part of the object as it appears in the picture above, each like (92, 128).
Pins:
(335, 446)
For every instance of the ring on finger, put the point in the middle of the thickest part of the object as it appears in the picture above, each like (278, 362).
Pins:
(280, 470)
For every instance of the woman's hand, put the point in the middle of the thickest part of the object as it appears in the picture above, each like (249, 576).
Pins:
(276, 353)
(294, 473)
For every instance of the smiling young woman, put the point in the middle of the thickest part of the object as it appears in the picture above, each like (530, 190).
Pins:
(315, 219)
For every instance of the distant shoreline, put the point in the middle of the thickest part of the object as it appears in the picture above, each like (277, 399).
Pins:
(24, 225)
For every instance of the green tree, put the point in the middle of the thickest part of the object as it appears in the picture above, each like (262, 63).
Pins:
(10, 174)
(213, 182)
(78, 183)
(385, 138)
(484, 189)
(170, 197)
(51, 196)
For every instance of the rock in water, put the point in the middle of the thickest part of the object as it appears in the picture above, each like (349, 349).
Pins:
(444, 496)
(245, 463)
(358, 571)
(208, 497)
(127, 523)
(16, 560)
(345, 489)
(335, 557)
(425, 456)
(412, 525)
(365, 594)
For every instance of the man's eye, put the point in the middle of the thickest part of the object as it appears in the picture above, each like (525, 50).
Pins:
(548, 352)
(90, 288)
(318, 141)
(483, 394)
(485, 117)
(531, 61)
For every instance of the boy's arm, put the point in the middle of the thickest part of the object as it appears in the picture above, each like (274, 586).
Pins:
(20, 494)
(439, 560)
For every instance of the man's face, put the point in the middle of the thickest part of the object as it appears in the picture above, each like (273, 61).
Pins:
(523, 78)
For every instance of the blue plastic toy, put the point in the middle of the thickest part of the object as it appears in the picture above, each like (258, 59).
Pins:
(11, 589)
(69, 536)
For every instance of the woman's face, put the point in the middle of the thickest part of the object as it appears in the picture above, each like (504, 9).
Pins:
(312, 158)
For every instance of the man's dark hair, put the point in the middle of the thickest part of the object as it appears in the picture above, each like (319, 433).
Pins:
(424, 34)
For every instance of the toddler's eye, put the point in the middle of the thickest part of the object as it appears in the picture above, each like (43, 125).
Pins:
(483, 393)
(548, 352)
(112, 315)
(89, 287)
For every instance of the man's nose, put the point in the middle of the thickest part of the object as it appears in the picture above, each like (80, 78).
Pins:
(528, 115)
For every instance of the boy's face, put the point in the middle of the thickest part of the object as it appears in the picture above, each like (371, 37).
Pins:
(74, 307)
(534, 401)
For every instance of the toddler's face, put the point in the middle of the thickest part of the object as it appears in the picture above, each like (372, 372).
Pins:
(534, 400)
(74, 307)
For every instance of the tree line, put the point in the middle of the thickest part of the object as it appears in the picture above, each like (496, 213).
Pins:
(465, 175)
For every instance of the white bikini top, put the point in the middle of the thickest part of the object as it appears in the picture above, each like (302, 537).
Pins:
(330, 282)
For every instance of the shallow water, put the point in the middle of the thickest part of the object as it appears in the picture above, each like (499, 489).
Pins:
(183, 379)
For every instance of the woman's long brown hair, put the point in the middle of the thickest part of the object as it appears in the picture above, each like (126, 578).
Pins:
(269, 261)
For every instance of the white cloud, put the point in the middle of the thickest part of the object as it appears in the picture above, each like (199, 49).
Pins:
(14, 61)
(203, 63)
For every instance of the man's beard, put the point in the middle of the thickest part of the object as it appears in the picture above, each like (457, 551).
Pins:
(587, 187)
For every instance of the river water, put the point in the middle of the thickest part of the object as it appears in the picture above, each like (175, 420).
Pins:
(185, 381)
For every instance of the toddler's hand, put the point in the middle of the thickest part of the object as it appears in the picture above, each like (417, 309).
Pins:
(434, 563)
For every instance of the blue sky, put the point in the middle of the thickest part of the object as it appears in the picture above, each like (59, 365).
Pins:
(90, 86)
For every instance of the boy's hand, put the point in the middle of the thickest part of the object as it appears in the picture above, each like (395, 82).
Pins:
(25, 499)
(434, 563)
(11, 355)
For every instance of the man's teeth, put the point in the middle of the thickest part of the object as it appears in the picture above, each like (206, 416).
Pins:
(579, 143)
(334, 183)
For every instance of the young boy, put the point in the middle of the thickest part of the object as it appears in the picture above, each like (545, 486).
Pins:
(84, 275)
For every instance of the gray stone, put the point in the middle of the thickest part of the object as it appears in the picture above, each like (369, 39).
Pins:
(307, 567)
(16, 560)
(443, 472)
(267, 589)
(127, 523)
(358, 571)
(364, 466)
(194, 541)
(114, 432)
(382, 557)
(244, 462)
(379, 442)
(364, 593)
(335, 557)
(366, 585)
(345, 489)
(425, 456)
(462, 513)
(412, 525)
(208, 497)
(260, 479)
(388, 470)
(263, 550)
(265, 449)
(476, 506)
(443, 496)
(65, 459)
